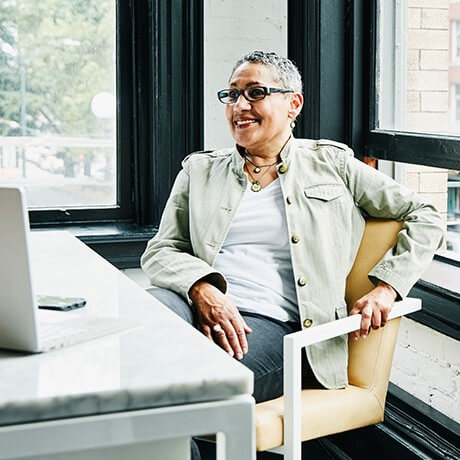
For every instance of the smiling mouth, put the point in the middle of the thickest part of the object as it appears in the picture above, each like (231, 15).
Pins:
(245, 123)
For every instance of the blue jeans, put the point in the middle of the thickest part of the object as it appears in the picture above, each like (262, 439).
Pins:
(265, 348)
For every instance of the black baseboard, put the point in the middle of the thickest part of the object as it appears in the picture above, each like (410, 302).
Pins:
(317, 449)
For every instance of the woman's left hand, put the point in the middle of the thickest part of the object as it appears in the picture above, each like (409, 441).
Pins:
(374, 308)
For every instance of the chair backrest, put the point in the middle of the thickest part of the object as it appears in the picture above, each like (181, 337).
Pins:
(369, 362)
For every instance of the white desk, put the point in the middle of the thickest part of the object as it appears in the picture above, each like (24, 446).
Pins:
(136, 394)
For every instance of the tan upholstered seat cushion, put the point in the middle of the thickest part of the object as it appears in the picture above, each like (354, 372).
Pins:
(351, 407)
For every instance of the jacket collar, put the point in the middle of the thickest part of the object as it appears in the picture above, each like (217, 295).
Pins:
(238, 155)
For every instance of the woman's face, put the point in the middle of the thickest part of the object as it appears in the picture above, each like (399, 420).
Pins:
(262, 125)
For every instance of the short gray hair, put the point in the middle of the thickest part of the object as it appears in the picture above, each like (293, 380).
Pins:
(284, 70)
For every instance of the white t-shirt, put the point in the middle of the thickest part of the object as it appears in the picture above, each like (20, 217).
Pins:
(255, 257)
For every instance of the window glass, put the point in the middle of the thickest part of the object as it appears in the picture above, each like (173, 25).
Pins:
(57, 101)
(456, 39)
(453, 212)
(457, 103)
(441, 188)
(418, 66)
(418, 90)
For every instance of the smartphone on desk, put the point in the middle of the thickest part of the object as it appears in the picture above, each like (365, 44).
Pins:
(57, 303)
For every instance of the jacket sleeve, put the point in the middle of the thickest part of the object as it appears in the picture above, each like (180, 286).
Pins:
(423, 231)
(168, 259)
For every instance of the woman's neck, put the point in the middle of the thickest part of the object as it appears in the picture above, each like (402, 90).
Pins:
(267, 154)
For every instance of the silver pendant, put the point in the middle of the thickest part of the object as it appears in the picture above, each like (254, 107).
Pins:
(257, 169)
(255, 187)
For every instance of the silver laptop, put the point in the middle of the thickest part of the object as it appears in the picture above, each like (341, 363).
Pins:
(19, 325)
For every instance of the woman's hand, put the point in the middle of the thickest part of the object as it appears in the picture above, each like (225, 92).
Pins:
(374, 308)
(219, 318)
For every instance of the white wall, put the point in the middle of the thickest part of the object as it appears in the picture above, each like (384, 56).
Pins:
(231, 29)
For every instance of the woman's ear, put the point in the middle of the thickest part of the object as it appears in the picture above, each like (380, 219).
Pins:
(295, 105)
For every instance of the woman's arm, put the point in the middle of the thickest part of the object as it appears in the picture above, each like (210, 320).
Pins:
(170, 263)
(169, 260)
(380, 196)
(403, 264)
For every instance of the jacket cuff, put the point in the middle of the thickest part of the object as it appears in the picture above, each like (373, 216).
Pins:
(214, 278)
(380, 273)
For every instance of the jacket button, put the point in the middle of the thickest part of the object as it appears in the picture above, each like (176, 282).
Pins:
(282, 169)
(289, 200)
(301, 281)
(295, 238)
(307, 322)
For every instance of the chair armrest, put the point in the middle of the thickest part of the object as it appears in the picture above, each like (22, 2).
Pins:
(342, 326)
(293, 344)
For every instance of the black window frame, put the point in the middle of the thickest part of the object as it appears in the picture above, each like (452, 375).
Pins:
(333, 44)
(159, 121)
(122, 211)
(159, 110)
(418, 148)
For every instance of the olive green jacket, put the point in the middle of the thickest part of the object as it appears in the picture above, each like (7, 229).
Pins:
(326, 191)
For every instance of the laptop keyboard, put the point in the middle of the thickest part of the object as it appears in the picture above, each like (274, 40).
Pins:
(53, 332)
(58, 336)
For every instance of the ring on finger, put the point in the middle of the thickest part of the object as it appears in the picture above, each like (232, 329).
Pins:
(217, 328)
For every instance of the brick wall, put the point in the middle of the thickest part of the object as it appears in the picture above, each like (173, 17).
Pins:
(430, 183)
(427, 65)
(427, 365)
(427, 99)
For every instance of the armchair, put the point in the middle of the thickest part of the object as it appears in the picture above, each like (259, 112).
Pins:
(300, 415)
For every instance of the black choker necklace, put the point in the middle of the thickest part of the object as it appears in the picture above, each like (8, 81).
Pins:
(257, 168)
(256, 187)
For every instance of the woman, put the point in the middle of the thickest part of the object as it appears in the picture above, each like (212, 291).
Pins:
(257, 241)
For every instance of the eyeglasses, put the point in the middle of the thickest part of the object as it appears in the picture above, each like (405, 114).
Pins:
(251, 94)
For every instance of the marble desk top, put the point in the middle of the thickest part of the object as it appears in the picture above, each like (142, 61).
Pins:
(162, 362)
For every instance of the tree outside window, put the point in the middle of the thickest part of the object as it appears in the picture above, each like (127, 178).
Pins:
(56, 58)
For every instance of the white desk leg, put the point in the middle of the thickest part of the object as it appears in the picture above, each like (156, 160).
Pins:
(237, 440)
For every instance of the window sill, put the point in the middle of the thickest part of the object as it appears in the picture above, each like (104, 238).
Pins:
(439, 290)
(443, 274)
(122, 244)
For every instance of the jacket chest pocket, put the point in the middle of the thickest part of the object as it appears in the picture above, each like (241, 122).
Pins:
(328, 202)
(325, 195)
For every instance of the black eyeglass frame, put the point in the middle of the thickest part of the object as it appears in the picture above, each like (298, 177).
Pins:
(267, 91)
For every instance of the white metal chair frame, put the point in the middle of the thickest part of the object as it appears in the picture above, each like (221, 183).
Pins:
(293, 344)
